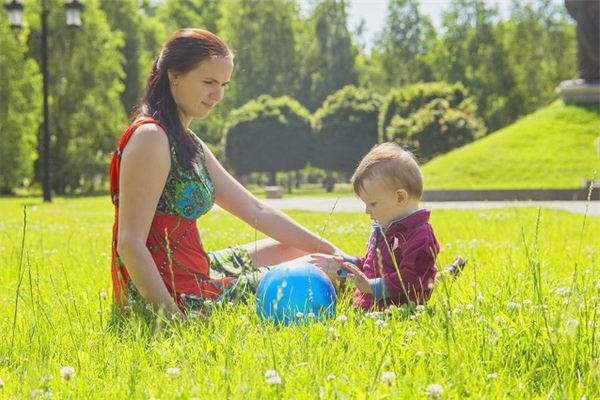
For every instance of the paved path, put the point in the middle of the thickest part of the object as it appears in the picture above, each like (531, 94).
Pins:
(348, 204)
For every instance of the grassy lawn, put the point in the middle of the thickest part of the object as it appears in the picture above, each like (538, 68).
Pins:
(551, 148)
(520, 322)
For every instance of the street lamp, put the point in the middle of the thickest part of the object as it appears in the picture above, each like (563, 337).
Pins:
(73, 9)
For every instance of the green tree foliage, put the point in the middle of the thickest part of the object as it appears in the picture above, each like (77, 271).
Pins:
(268, 135)
(261, 35)
(430, 118)
(328, 54)
(541, 47)
(124, 17)
(345, 128)
(471, 52)
(404, 43)
(178, 14)
(86, 114)
(20, 109)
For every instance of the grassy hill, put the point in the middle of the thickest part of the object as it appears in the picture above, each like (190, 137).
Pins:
(551, 148)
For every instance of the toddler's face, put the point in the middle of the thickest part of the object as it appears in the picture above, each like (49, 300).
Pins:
(382, 203)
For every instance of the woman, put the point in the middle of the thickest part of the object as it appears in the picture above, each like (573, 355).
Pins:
(163, 178)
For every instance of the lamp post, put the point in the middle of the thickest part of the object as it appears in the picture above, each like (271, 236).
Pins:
(73, 9)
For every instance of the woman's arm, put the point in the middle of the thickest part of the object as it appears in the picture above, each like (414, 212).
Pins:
(145, 165)
(233, 197)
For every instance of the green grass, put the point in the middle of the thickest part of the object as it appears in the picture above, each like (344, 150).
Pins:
(520, 322)
(551, 148)
(309, 190)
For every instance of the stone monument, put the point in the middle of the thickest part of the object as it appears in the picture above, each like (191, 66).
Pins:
(586, 89)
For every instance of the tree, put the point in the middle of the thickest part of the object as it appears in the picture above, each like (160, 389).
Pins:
(470, 52)
(328, 54)
(20, 109)
(85, 86)
(404, 43)
(178, 14)
(345, 128)
(266, 61)
(430, 118)
(268, 135)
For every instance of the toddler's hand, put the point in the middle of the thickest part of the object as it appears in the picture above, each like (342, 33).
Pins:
(360, 279)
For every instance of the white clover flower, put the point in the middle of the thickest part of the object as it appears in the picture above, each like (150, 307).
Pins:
(388, 377)
(566, 301)
(103, 295)
(492, 376)
(562, 291)
(381, 323)
(411, 333)
(458, 309)
(272, 377)
(331, 330)
(527, 302)
(470, 307)
(342, 318)
(299, 315)
(434, 391)
(479, 297)
(420, 308)
(67, 373)
(1, 384)
(330, 377)
(598, 284)
(311, 315)
(47, 378)
(173, 372)
(419, 354)
(511, 305)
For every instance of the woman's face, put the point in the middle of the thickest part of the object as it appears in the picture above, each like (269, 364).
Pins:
(199, 90)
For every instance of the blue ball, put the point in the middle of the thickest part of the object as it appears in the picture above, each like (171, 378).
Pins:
(295, 287)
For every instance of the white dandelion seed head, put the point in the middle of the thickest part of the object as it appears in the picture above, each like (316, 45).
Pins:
(173, 372)
(67, 373)
(388, 376)
(434, 391)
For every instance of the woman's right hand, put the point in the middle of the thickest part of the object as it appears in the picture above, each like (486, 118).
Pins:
(327, 263)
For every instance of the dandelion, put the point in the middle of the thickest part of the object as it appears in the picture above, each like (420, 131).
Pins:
(434, 391)
(341, 318)
(67, 373)
(173, 372)
(272, 377)
(388, 377)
